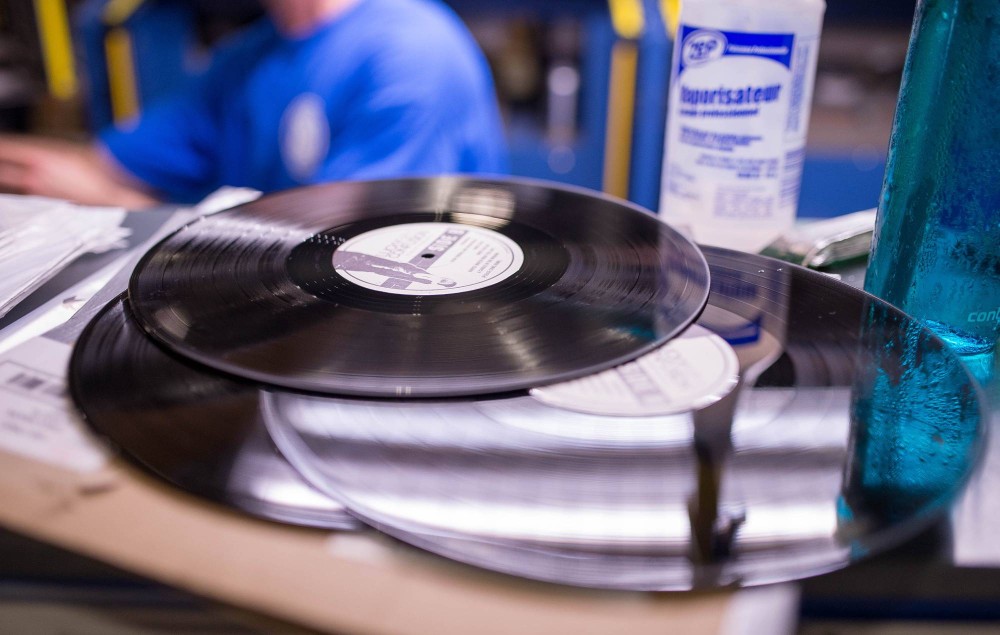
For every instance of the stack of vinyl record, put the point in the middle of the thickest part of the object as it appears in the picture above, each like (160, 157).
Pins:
(530, 378)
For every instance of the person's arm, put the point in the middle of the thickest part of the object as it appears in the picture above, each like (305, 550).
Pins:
(176, 147)
(73, 171)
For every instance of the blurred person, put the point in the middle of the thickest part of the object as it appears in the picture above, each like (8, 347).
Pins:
(317, 90)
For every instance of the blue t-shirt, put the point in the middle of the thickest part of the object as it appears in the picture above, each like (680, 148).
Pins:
(389, 88)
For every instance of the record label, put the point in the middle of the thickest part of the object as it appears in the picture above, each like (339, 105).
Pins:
(688, 373)
(428, 258)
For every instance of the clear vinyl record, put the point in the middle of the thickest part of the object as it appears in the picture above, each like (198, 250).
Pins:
(193, 428)
(436, 287)
(850, 428)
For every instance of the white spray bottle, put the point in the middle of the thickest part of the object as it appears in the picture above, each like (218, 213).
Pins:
(740, 96)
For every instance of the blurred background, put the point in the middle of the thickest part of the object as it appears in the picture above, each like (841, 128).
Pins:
(576, 110)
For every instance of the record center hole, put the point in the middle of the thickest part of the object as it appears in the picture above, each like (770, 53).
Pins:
(426, 255)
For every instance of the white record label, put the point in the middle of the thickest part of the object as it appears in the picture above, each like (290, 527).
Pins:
(692, 371)
(428, 258)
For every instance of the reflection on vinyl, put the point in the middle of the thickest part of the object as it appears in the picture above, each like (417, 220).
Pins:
(436, 287)
(198, 431)
(526, 421)
(804, 468)
(690, 372)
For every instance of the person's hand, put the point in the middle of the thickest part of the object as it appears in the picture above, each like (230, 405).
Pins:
(66, 170)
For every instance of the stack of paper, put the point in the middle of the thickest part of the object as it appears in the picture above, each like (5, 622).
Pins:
(39, 236)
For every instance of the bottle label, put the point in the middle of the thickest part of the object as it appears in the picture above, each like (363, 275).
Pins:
(736, 128)
(699, 46)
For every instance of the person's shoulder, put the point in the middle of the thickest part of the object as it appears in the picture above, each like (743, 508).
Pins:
(432, 14)
(422, 40)
(426, 27)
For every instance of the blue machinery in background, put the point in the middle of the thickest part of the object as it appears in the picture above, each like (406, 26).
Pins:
(133, 52)
(601, 121)
(596, 120)
(593, 113)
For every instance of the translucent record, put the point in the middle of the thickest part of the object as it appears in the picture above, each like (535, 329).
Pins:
(199, 431)
(527, 421)
(854, 428)
(436, 287)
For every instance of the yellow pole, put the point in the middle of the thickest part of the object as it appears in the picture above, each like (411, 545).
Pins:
(671, 10)
(621, 116)
(117, 11)
(57, 47)
(120, 55)
(628, 21)
(121, 75)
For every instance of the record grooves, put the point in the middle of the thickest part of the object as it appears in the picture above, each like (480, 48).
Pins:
(197, 430)
(481, 287)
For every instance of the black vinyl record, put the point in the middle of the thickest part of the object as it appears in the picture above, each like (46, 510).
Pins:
(852, 427)
(434, 287)
(193, 428)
